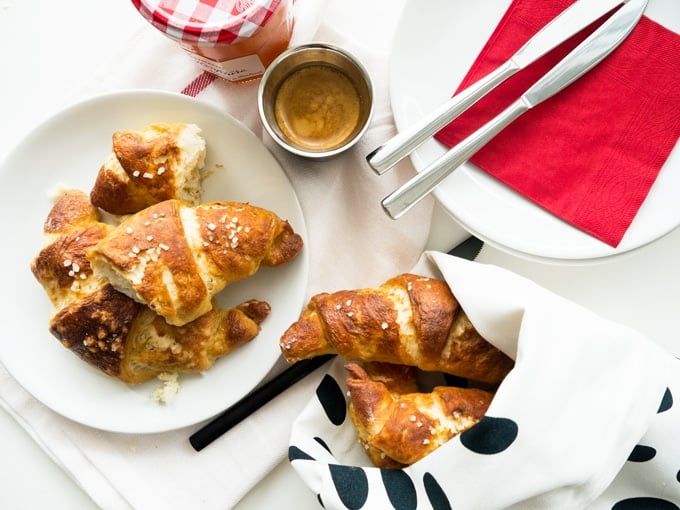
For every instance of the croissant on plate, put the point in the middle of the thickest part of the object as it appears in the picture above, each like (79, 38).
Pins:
(111, 331)
(396, 424)
(158, 162)
(408, 320)
(174, 257)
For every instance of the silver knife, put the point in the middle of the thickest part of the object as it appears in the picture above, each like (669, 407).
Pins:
(572, 20)
(579, 61)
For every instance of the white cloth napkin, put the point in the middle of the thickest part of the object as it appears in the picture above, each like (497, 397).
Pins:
(588, 418)
(341, 203)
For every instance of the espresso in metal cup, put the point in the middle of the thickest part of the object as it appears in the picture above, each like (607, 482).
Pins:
(316, 100)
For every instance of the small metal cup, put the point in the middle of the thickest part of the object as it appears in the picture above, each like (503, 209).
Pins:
(306, 55)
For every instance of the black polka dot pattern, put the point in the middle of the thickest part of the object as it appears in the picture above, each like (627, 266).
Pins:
(645, 504)
(351, 484)
(642, 453)
(666, 402)
(333, 401)
(400, 489)
(644, 456)
(323, 443)
(435, 493)
(491, 436)
(294, 453)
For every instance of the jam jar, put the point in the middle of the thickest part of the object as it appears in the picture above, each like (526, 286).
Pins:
(233, 39)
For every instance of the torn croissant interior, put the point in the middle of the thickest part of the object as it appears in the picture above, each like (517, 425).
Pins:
(146, 166)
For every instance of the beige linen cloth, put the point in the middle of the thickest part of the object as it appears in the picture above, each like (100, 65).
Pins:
(351, 243)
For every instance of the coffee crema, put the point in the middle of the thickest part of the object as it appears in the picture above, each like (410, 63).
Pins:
(317, 107)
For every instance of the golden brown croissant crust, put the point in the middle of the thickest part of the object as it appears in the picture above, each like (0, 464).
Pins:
(109, 330)
(398, 427)
(154, 346)
(158, 162)
(175, 258)
(96, 326)
(409, 320)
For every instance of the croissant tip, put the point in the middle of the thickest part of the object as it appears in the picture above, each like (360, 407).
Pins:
(285, 247)
(256, 310)
(356, 373)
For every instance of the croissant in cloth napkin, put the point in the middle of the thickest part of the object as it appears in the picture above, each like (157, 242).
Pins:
(408, 320)
(174, 257)
(396, 424)
(158, 162)
(111, 331)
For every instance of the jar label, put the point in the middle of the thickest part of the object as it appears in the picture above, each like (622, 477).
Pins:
(233, 70)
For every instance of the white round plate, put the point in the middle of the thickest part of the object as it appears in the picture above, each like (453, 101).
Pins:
(66, 151)
(438, 42)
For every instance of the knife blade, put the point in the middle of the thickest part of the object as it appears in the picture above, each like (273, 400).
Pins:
(468, 249)
(568, 23)
(578, 62)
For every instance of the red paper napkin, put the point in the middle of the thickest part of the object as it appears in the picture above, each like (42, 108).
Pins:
(590, 154)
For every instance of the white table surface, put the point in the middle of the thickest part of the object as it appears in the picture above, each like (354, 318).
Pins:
(43, 60)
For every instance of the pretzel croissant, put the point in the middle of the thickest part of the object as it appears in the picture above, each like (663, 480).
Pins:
(396, 424)
(174, 257)
(109, 330)
(409, 320)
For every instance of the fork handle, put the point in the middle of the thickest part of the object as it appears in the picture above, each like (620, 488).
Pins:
(410, 193)
(401, 145)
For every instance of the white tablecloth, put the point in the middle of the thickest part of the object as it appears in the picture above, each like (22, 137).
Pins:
(57, 51)
(341, 204)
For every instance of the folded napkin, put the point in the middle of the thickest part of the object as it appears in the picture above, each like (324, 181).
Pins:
(340, 199)
(590, 154)
(587, 418)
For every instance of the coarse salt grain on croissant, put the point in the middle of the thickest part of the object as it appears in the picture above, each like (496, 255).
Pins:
(174, 257)
(409, 320)
(158, 162)
(397, 428)
(111, 331)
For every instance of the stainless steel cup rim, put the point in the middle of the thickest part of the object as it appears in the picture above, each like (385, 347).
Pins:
(308, 54)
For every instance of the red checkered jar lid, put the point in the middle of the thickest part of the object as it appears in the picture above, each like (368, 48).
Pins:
(207, 22)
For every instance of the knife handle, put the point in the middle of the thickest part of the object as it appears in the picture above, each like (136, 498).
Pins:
(410, 193)
(254, 401)
(401, 145)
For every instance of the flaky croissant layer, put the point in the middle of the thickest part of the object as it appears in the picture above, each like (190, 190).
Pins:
(175, 258)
